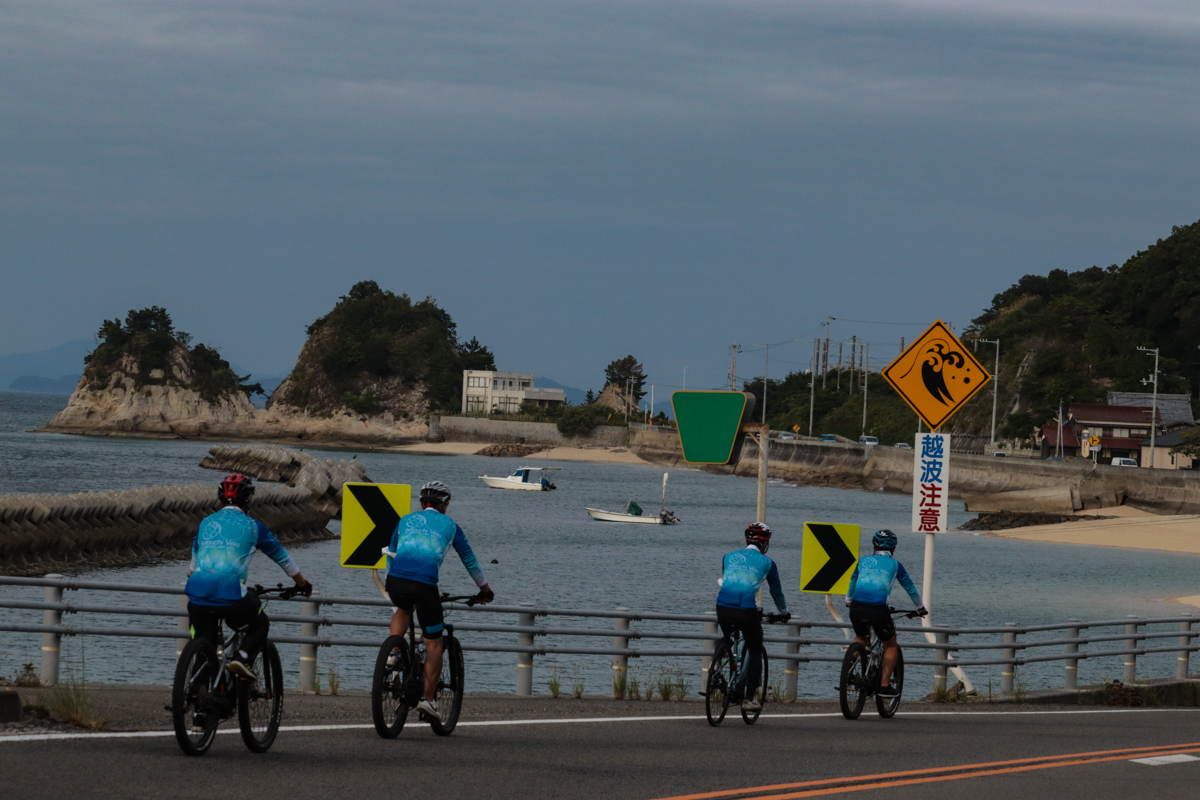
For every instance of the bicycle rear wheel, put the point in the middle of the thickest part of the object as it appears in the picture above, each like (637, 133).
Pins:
(192, 710)
(852, 688)
(389, 706)
(760, 694)
(450, 687)
(720, 679)
(887, 706)
(260, 703)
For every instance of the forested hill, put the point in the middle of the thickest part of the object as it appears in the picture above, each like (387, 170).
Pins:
(1065, 336)
(1077, 333)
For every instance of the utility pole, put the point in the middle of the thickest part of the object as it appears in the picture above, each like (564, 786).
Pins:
(812, 385)
(734, 349)
(1154, 401)
(825, 366)
(766, 366)
(839, 368)
(995, 386)
(1058, 447)
(853, 356)
(866, 372)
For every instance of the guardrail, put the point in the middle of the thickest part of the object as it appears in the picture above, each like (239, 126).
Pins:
(1136, 638)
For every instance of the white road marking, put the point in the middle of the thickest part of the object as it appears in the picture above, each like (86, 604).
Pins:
(49, 737)
(1158, 761)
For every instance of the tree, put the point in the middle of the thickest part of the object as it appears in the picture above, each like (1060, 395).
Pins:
(1189, 444)
(626, 372)
(591, 397)
(475, 355)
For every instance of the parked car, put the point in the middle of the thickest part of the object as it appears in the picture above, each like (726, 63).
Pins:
(786, 437)
(903, 445)
(1124, 462)
(828, 437)
(868, 440)
(999, 454)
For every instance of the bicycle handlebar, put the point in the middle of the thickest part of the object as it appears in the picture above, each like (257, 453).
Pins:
(284, 592)
(470, 599)
(909, 614)
(776, 619)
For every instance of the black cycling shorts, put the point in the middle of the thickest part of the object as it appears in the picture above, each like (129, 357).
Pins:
(424, 597)
(864, 617)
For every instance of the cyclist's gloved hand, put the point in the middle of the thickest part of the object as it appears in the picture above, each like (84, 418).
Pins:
(921, 612)
(785, 616)
(304, 588)
(486, 595)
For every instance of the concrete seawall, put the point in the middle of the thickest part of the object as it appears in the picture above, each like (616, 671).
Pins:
(890, 469)
(42, 533)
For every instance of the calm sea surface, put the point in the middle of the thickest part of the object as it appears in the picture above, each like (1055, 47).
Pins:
(549, 552)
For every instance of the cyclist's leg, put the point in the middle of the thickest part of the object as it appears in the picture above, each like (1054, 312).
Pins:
(891, 652)
(247, 615)
(403, 600)
(204, 622)
(726, 622)
(429, 612)
(861, 619)
(752, 630)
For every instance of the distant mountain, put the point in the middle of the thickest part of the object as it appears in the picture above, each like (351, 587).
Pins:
(62, 360)
(32, 383)
(574, 396)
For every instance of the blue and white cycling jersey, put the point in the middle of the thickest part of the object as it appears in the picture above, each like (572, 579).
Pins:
(420, 543)
(221, 553)
(744, 572)
(872, 580)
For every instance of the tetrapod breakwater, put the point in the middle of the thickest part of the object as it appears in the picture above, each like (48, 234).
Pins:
(323, 479)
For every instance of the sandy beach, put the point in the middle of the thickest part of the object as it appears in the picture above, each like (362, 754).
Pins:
(1126, 527)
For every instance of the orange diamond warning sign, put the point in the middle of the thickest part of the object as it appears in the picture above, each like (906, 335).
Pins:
(936, 375)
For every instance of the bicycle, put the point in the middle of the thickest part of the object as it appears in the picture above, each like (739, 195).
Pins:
(398, 686)
(727, 676)
(861, 671)
(204, 694)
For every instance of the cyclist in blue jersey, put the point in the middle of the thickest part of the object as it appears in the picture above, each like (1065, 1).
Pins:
(870, 586)
(419, 544)
(216, 585)
(744, 571)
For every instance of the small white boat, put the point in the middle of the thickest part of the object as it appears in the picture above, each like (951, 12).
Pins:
(527, 479)
(633, 512)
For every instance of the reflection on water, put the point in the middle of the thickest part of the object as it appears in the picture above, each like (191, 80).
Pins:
(549, 552)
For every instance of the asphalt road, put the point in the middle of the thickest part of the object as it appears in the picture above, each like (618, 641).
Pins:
(924, 752)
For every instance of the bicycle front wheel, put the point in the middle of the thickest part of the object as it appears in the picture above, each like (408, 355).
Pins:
(260, 703)
(760, 694)
(389, 706)
(720, 680)
(852, 688)
(887, 706)
(450, 687)
(192, 710)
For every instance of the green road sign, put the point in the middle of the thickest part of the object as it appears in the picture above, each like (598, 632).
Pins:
(710, 424)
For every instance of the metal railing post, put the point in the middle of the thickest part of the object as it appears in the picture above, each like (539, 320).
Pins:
(942, 655)
(620, 663)
(525, 660)
(1008, 671)
(51, 642)
(1071, 678)
(308, 652)
(183, 626)
(711, 628)
(1185, 640)
(1131, 630)
(791, 666)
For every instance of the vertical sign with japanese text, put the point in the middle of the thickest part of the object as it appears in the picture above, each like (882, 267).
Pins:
(931, 483)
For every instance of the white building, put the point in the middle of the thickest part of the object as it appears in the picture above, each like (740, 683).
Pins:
(485, 392)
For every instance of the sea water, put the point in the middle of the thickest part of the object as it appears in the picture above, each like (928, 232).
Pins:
(549, 552)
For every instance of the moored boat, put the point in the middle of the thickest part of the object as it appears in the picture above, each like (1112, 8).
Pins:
(527, 479)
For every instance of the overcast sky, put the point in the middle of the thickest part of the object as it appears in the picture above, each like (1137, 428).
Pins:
(579, 181)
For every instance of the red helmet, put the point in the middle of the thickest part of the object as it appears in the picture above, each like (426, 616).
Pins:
(757, 533)
(235, 490)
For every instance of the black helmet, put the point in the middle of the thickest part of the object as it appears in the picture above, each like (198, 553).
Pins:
(235, 490)
(435, 493)
(884, 540)
(757, 533)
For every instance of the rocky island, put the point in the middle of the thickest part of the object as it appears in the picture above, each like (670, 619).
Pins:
(370, 372)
